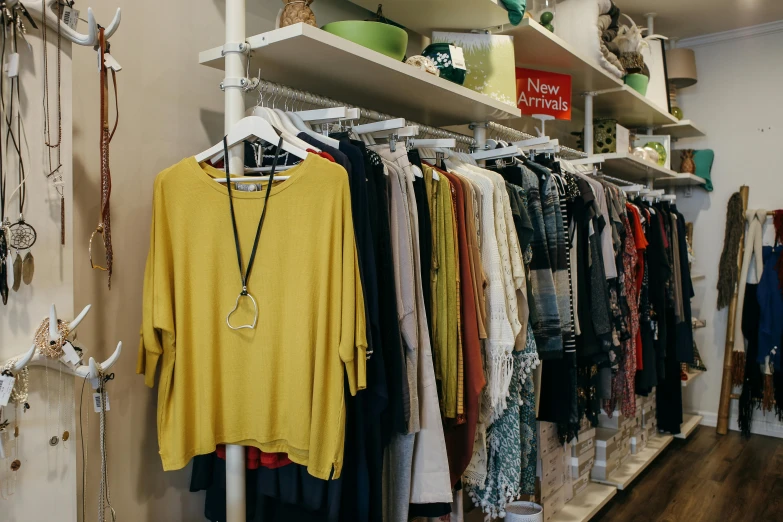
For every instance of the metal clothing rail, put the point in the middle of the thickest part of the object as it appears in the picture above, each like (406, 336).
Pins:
(275, 90)
(515, 135)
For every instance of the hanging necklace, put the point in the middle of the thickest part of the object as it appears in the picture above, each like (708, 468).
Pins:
(245, 274)
(4, 252)
(21, 235)
(55, 171)
(104, 223)
(8, 488)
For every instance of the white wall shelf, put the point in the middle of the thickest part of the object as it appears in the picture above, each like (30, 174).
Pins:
(682, 129)
(689, 424)
(631, 168)
(635, 464)
(537, 48)
(698, 277)
(425, 16)
(681, 180)
(307, 58)
(586, 504)
(692, 374)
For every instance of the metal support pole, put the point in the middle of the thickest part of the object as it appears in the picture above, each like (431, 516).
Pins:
(234, 111)
(650, 23)
(728, 349)
(480, 135)
(588, 137)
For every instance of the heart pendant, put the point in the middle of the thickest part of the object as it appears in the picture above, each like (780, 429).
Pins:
(236, 307)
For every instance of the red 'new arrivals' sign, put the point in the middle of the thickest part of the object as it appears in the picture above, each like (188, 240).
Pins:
(540, 92)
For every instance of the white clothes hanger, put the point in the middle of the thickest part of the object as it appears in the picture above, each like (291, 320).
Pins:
(505, 152)
(447, 143)
(299, 123)
(274, 119)
(632, 188)
(251, 127)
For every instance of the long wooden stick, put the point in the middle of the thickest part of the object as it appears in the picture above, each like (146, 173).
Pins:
(725, 388)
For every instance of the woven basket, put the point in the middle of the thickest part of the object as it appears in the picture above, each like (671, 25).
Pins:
(524, 512)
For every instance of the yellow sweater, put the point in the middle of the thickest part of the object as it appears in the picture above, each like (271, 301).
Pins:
(278, 387)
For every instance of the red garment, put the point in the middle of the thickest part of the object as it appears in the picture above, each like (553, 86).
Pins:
(255, 458)
(322, 154)
(641, 246)
(460, 437)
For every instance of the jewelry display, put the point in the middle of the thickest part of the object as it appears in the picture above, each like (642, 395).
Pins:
(21, 391)
(45, 346)
(55, 169)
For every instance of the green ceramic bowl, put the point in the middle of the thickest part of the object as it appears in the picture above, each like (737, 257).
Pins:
(637, 82)
(384, 38)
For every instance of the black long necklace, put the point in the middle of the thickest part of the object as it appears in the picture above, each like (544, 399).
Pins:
(3, 239)
(245, 273)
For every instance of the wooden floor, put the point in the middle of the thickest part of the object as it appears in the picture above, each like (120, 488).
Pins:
(706, 478)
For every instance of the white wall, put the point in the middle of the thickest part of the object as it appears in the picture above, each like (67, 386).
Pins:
(738, 103)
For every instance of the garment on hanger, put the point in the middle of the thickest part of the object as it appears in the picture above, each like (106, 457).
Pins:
(197, 322)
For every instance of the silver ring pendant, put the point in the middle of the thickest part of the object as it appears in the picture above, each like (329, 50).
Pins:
(236, 307)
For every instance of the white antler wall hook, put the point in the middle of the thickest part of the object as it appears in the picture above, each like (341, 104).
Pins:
(34, 357)
(42, 10)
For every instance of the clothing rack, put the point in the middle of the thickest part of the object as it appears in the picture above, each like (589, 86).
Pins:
(515, 135)
(611, 178)
(277, 90)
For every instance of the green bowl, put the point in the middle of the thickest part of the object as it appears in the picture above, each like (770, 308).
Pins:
(637, 82)
(384, 38)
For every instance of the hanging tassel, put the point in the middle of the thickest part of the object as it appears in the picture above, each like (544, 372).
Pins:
(768, 399)
(768, 402)
(738, 368)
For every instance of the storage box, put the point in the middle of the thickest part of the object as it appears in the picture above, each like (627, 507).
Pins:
(548, 440)
(603, 469)
(606, 443)
(648, 415)
(581, 465)
(568, 483)
(584, 443)
(552, 461)
(615, 422)
(580, 484)
(554, 503)
(638, 441)
(552, 483)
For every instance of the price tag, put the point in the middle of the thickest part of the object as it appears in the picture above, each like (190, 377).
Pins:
(96, 402)
(457, 58)
(69, 354)
(6, 387)
(11, 65)
(111, 63)
(70, 17)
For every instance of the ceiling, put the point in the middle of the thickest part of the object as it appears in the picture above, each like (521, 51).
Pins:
(687, 18)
